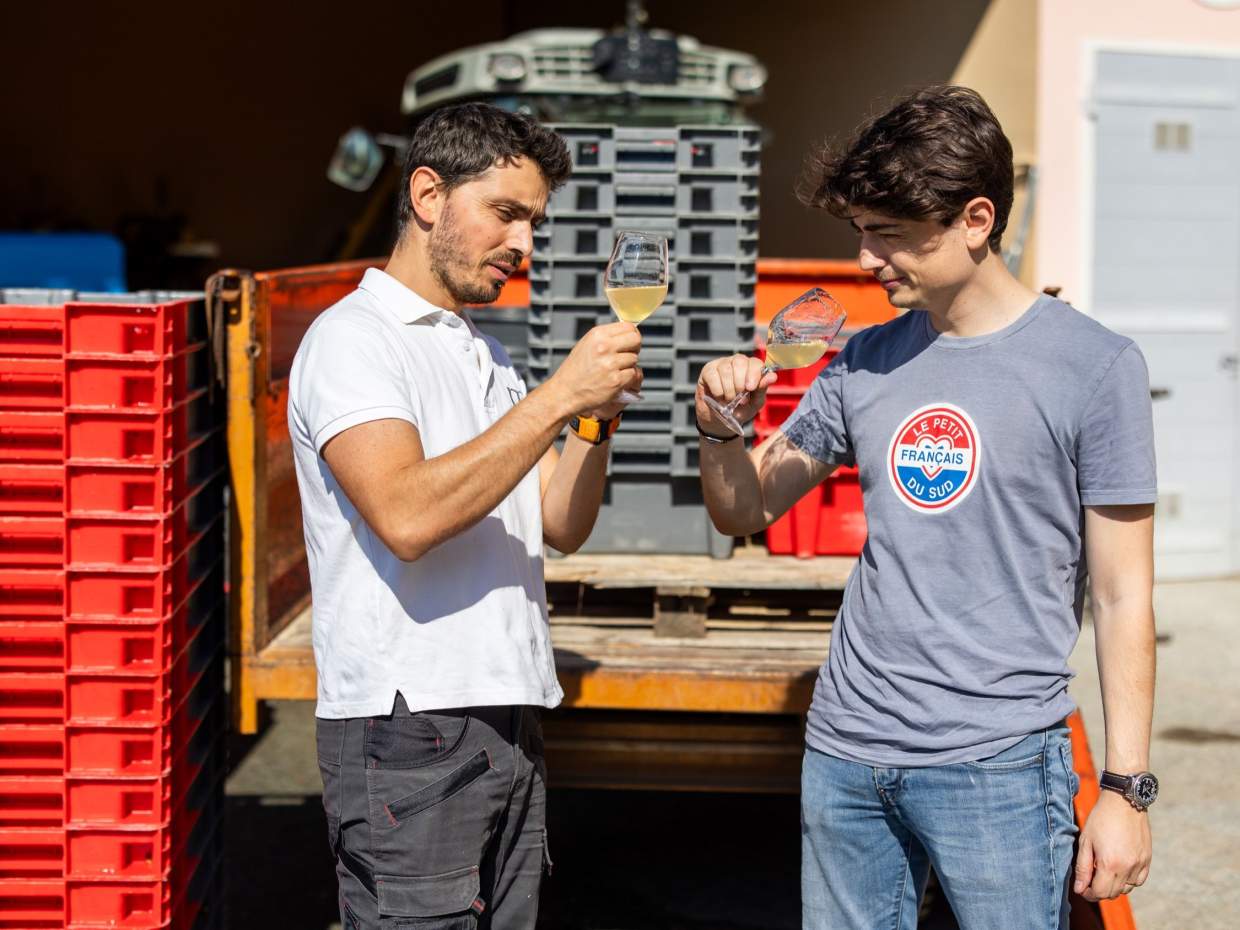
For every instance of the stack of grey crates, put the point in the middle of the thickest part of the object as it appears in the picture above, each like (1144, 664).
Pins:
(699, 187)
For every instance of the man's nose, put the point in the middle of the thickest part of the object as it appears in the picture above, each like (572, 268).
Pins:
(521, 238)
(868, 260)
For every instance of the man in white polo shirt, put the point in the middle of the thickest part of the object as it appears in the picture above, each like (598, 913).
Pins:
(429, 484)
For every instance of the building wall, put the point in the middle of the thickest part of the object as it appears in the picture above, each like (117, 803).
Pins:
(1000, 63)
(225, 114)
(1067, 29)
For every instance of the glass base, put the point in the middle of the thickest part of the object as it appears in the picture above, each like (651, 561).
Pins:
(726, 415)
(630, 397)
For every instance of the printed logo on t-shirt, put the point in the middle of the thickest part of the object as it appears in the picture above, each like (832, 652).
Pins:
(934, 458)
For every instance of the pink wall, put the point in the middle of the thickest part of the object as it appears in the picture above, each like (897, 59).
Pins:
(1066, 30)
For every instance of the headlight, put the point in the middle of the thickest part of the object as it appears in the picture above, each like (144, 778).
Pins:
(506, 66)
(747, 79)
(356, 162)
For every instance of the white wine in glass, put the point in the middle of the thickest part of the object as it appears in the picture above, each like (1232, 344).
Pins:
(799, 335)
(636, 281)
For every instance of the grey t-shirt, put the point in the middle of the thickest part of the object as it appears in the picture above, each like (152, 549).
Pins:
(976, 456)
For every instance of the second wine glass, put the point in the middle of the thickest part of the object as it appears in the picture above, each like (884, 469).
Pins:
(636, 281)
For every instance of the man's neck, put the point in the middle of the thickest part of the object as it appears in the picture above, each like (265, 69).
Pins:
(990, 300)
(413, 270)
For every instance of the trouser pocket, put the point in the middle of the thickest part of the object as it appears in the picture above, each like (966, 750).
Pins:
(432, 902)
(432, 812)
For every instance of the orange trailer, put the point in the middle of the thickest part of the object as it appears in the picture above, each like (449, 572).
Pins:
(680, 672)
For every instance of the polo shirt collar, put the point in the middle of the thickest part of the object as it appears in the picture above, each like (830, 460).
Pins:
(409, 306)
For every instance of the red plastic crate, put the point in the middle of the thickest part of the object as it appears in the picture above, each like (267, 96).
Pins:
(779, 405)
(32, 384)
(829, 520)
(32, 490)
(32, 331)
(142, 490)
(134, 437)
(113, 752)
(109, 541)
(32, 438)
(135, 381)
(142, 594)
(32, 542)
(110, 854)
(27, 594)
(115, 700)
(80, 803)
(159, 327)
(113, 647)
(134, 490)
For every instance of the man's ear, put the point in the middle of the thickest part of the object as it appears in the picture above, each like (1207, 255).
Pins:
(978, 217)
(426, 195)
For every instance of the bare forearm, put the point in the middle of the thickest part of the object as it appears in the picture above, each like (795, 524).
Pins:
(442, 496)
(574, 493)
(732, 488)
(1124, 634)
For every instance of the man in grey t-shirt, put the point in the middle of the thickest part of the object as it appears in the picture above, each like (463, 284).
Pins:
(1004, 442)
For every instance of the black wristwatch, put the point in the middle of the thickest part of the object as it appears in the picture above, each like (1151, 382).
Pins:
(1141, 789)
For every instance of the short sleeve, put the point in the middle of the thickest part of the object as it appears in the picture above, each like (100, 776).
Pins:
(818, 426)
(1115, 445)
(348, 374)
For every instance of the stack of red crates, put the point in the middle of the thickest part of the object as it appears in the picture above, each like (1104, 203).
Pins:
(829, 520)
(112, 613)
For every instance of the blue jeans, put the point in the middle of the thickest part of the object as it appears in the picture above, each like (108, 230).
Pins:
(998, 832)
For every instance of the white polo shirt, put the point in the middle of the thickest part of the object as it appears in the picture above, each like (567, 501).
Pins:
(465, 624)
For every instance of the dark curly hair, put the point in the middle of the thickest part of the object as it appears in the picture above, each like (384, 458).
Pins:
(461, 142)
(925, 158)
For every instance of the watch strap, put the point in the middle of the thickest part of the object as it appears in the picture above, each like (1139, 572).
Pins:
(594, 430)
(1115, 782)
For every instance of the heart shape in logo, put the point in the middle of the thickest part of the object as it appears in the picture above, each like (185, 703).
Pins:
(925, 444)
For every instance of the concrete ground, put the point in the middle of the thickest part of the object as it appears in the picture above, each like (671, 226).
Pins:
(627, 861)
(1194, 881)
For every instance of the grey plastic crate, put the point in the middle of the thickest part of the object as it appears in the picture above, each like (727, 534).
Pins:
(510, 325)
(575, 237)
(559, 325)
(727, 327)
(634, 453)
(652, 414)
(562, 280)
(607, 147)
(656, 364)
(686, 450)
(688, 366)
(701, 238)
(620, 148)
(585, 193)
(646, 194)
(648, 514)
(718, 147)
(716, 193)
(708, 281)
(36, 296)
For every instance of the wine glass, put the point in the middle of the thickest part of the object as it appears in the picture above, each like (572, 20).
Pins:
(799, 335)
(636, 281)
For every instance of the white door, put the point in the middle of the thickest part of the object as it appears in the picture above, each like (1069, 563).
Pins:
(1166, 271)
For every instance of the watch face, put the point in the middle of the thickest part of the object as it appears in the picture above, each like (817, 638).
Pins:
(1146, 789)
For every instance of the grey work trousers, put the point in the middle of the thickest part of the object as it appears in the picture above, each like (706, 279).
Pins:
(437, 819)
